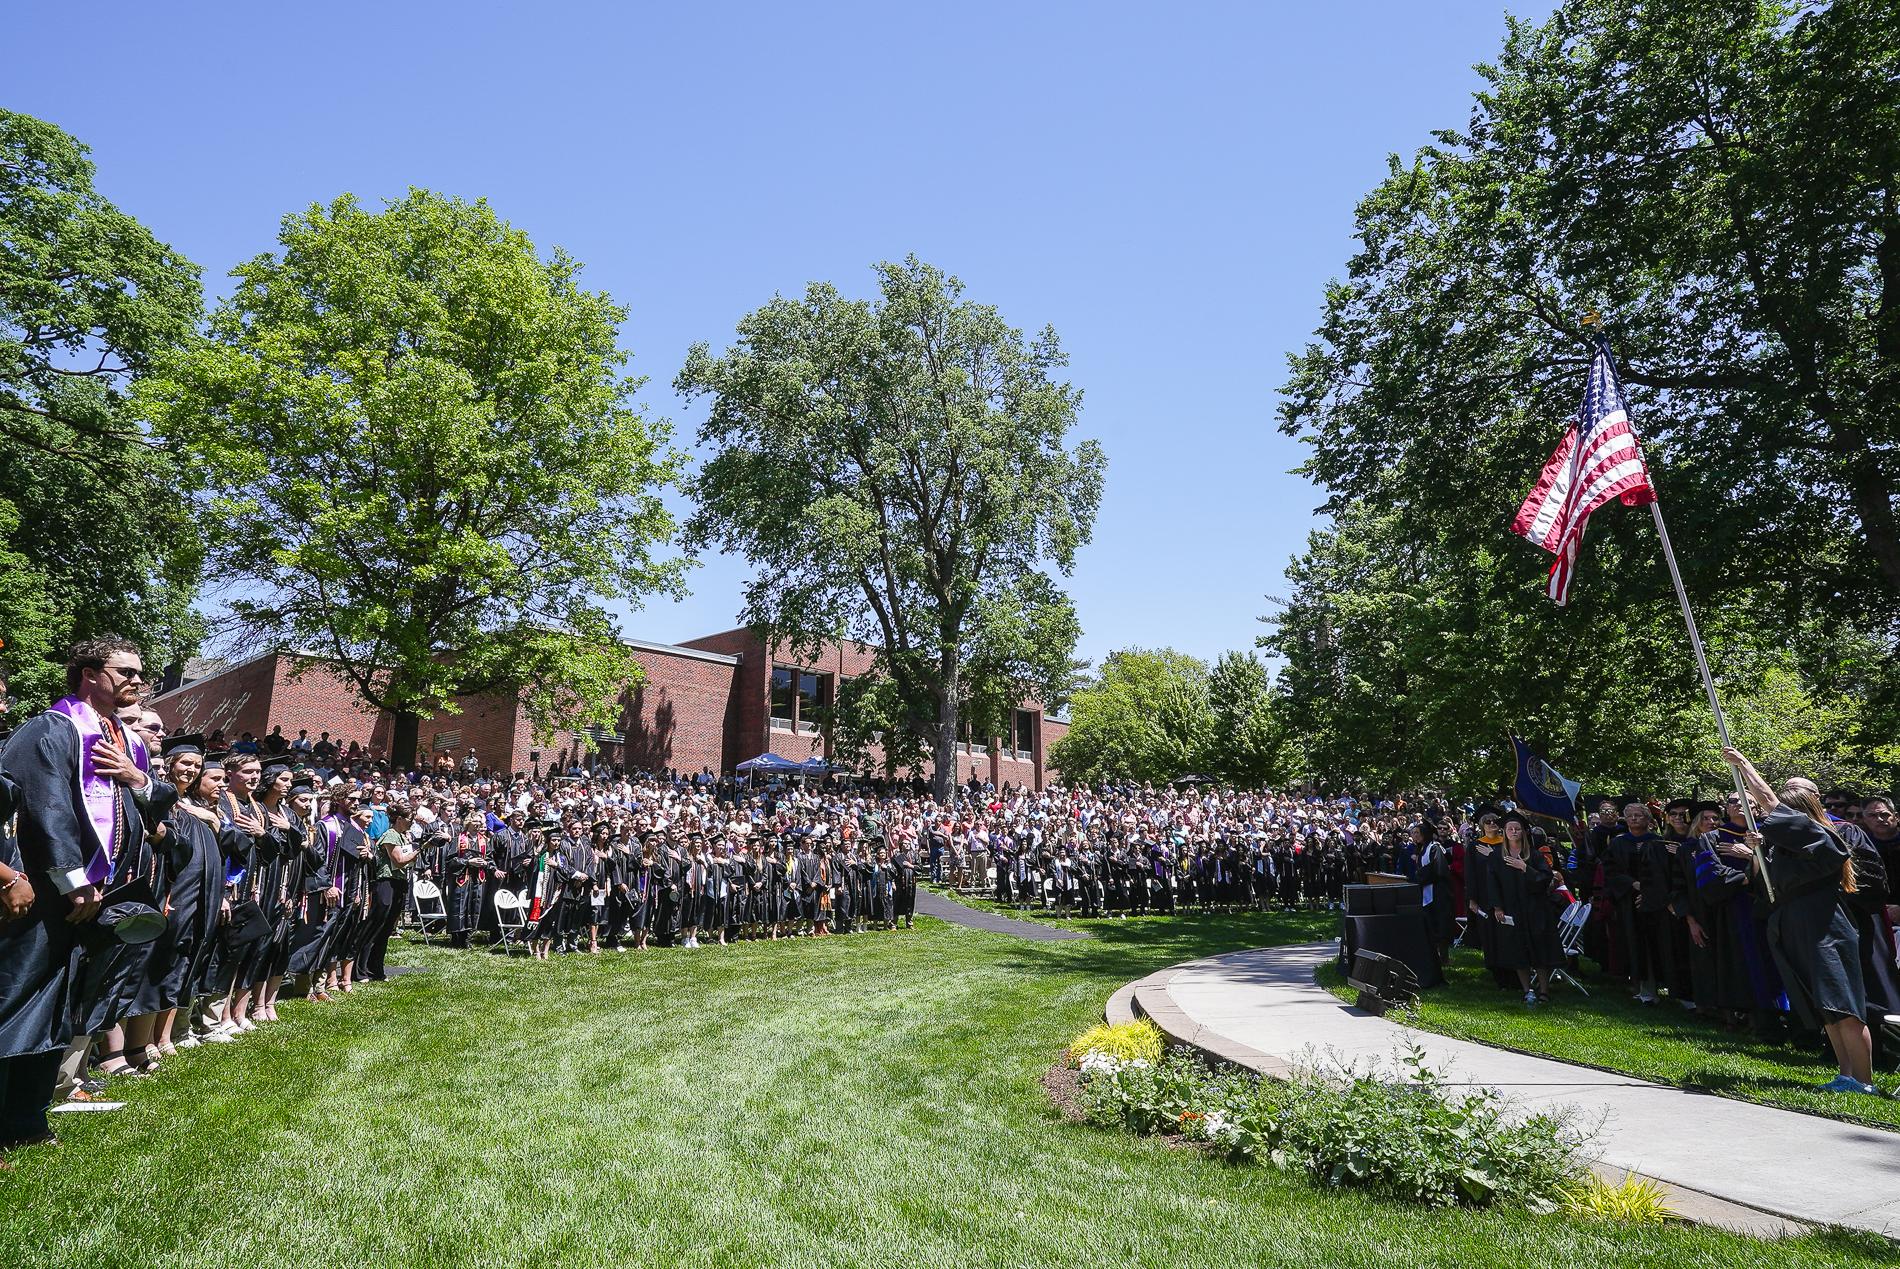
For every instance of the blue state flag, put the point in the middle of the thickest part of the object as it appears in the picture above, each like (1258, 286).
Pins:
(1539, 786)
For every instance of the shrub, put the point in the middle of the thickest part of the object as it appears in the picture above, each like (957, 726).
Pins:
(1129, 1041)
(1415, 1140)
(1636, 1201)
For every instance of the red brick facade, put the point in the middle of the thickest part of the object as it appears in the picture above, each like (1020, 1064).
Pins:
(704, 704)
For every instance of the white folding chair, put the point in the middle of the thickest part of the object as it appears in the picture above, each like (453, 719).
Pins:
(1570, 939)
(432, 916)
(511, 918)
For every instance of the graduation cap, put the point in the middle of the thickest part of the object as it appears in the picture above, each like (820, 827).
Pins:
(218, 757)
(1697, 808)
(304, 782)
(184, 742)
(1679, 804)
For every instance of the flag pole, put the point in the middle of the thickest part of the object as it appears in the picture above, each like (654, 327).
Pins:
(1695, 635)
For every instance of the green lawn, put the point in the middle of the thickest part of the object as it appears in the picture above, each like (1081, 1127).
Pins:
(862, 1100)
(1657, 1042)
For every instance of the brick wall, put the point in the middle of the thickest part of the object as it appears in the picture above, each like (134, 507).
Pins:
(268, 691)
(491, 723)
(1051, 731)
(745, 719)
(677, 718)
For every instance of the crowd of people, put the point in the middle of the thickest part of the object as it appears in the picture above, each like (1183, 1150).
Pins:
(159, 893)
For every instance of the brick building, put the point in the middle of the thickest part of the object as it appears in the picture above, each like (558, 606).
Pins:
(710, 703)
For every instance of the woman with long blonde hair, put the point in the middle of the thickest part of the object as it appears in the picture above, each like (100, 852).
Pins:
(1810, 930)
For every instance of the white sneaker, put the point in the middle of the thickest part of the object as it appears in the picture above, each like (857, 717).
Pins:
(223, 1035)
(189, 1042)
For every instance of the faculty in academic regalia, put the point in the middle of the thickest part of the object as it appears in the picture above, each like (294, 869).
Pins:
(1746, 985)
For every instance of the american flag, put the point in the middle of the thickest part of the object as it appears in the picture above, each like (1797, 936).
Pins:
(1599, 459)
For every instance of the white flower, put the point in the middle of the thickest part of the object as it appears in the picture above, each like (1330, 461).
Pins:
(1096, 1062)
(1214, 1124)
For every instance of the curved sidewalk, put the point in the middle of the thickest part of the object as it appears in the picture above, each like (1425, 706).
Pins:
(1732, 1163)
(946, 908)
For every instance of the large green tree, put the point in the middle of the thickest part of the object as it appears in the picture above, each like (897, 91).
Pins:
(1720, 182)
(900, 472)
(1247, 744)
(1145, 716)
(420, 436)
(92, 535)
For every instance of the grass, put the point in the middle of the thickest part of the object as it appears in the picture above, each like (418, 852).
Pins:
(1655, 1042)
(872, 1099)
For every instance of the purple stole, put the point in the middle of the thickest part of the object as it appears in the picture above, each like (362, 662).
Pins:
(100, 793)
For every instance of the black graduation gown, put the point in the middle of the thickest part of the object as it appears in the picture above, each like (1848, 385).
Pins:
(1809, 930)
(38, 969)
(352, 871)
(904, 896)
(194, 898)
(1529, 941)
(116, 979)
(1481, 892)
(284, 892)
(464, 881)
(1743, 974)
(310, 930)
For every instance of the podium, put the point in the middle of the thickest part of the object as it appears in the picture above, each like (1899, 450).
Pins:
(1389, 918)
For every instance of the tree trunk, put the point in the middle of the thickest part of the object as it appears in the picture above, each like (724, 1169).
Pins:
(948, 699)
(402, 740)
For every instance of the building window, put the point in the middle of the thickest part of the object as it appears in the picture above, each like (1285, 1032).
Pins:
(783, 697)
(1023, 738)
(799, 699)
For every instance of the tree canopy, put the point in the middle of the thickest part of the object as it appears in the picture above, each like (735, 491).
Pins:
(420, 443)
(1151, 715)
(92, 534)
(899, 471)
(1719, 182)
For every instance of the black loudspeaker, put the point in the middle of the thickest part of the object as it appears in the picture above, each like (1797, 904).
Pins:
(1383, 983)
(1382, 900)
(1402, 935)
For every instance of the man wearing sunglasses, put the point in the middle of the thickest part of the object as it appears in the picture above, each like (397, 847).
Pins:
(84, 798)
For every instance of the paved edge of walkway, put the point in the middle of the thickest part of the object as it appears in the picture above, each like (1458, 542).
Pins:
(1148, 998)
(945, 908)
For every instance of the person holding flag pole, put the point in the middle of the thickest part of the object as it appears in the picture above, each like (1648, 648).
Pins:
(1599, 459)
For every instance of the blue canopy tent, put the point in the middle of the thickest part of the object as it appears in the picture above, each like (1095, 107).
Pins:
(771, 763)
(814, 766)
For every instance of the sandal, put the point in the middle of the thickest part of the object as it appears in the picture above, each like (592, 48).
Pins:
(125, 1065)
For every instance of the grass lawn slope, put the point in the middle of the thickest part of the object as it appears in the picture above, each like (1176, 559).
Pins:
(1655, 1042)
(862, 1100)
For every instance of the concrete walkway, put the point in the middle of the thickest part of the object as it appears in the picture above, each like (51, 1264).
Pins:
(1728, 1162)
(944, 908)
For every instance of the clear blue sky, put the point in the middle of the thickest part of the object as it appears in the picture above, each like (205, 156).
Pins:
(1169, 186)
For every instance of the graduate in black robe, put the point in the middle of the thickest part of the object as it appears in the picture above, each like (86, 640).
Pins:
(194, 902)
(1524, 885)
(69, 774)
(904, 895)
(1810, 931)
